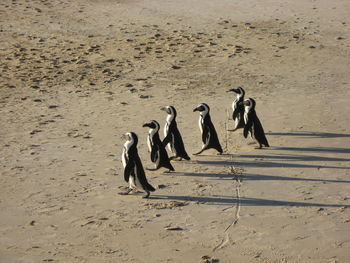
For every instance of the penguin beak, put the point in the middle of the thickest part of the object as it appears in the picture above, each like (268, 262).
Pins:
(200, 108)
(146, 125)
(164, 109)
(125, 137)
(232, 90)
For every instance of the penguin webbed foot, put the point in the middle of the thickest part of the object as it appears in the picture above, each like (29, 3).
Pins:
(197, 153)
(175, 158)
(126, 192)
(262, 146)
(151, 169)
(146, 195)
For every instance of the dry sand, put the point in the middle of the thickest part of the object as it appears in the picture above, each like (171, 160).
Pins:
(76, 75)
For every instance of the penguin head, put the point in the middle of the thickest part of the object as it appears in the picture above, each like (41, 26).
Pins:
(249, 103)
(170, 110)
(153, 125)
(131, 137)
(202, 108)
(239, 90)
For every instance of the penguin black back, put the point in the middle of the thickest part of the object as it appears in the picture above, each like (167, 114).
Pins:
(253, 124)
(134, 173)
(238, 108)
(209, 136)
(172, 135)
(159, 155)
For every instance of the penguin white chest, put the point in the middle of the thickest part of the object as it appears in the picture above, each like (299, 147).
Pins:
(234, 104)
(150, 139)
(166, 129)
(246, 111)
(200, 123)
(149, 143)
(134, 183)
(166, 132)
(124, 157)
(169, 119)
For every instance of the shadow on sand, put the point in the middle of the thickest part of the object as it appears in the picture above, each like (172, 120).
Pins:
(260, 163)
(259, 177)
(313, 149)
(288, 157)
(271, 161)
(310, 134)
(223, 200)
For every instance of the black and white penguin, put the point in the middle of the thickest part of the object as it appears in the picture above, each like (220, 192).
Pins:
(238, 108)
(209, 136)
(133, 169)
(159, 155)
(172, 135)
(253, 124)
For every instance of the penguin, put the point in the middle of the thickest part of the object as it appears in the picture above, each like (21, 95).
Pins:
(172, 135)
(238, 108)
(209, 136)
(159, 155)
(253, 124)
(133, 169)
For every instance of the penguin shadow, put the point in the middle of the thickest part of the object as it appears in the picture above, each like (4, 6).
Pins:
(309, 134)
(245, 201)
(259, 177)
(289, 157)
(261, 162)
(226, 176)
(208, 155)
(314, 149)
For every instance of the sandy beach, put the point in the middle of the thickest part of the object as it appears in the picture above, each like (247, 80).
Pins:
(76, 75)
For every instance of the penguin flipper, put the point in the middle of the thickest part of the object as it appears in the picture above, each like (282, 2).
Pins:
(247, 127)
(259, 133)
(154, 153)
(128, 170)
(206, 136)
(235, 113)
(140, 173)
(167, 139)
